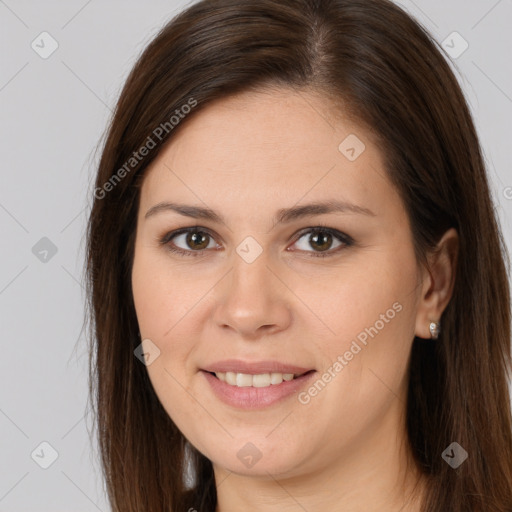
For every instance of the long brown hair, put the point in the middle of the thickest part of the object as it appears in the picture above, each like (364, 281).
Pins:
(380, 66)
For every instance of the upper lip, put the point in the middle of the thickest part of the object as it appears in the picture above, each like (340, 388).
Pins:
(255, 367)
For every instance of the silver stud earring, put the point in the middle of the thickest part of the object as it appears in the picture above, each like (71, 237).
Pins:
(435, 329)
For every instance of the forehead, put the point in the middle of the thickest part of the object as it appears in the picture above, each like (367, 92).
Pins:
(270, 124)
(248, 149)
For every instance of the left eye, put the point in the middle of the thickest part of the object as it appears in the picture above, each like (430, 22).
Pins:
(201, 239)
(322, 239)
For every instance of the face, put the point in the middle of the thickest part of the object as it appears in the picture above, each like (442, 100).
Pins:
(272, 290)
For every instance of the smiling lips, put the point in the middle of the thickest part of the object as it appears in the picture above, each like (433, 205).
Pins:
(254, 385)
(257, 374)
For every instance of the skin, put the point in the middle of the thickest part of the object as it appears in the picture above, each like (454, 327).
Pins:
(247, 157)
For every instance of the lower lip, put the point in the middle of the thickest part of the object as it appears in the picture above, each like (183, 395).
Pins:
(256, 398)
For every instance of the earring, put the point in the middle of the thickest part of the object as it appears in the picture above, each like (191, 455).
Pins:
(435, 329)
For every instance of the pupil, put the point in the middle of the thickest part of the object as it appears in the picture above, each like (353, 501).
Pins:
(323, 240)
(193, 238)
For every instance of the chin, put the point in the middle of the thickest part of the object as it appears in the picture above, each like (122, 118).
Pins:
(258, 458)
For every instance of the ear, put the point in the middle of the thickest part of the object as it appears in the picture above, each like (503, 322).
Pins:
(437, 283)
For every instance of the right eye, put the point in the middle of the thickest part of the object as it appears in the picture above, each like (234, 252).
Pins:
(195, 237)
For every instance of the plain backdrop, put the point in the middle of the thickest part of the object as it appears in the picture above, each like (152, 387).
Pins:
(53, 110)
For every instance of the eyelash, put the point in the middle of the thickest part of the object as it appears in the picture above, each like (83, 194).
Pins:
(342, 237)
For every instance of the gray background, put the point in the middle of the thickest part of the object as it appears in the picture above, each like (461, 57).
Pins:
(53, 112)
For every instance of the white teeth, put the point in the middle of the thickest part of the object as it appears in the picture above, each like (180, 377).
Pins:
(230, 377)
(262, 380)
(243, 380)
(276, 378)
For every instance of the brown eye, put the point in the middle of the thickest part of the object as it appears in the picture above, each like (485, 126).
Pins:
(321, 240)
(188, 241)
(197, 239)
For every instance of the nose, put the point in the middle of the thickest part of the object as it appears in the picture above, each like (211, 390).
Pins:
(253, 299)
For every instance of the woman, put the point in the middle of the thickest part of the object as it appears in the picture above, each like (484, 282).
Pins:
(340, 337)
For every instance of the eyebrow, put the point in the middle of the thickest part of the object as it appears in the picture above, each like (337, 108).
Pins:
(283, 216)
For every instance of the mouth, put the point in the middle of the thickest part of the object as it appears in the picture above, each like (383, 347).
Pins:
(260, 380)
(256, 386)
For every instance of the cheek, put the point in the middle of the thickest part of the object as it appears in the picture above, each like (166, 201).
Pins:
(376, 296)
(163, 294)
(171, 306)
(151, 303)
(163, 309)
(371, 316)
(365, 364)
